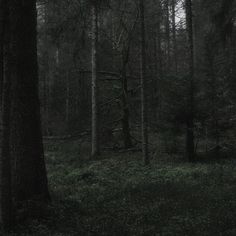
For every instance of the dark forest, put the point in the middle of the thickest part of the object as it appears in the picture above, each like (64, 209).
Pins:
(117, 117)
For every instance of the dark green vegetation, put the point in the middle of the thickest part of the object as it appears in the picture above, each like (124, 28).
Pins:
(118, 195)
(135, 103)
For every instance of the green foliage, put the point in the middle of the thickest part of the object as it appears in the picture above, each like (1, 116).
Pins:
(117, 195)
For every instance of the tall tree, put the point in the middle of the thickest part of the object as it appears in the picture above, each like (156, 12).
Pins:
(95, 102)
(167, 32)
(26, 138)
(190, 111)
(126, 115)
(144, 110)
(6, 206)
(2, 10)
(126, 48)
(173, 9)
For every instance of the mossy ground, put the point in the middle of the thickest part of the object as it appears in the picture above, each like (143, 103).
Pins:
(117, 195)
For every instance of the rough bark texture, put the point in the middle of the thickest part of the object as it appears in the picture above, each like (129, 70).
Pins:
(27, 148)
(95, 103)
(190, 116)
(144, 115)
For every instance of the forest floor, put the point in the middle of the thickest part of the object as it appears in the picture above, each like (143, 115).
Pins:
(117, 195)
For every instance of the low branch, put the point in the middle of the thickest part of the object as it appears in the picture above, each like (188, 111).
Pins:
(107, 73)
(66, 137)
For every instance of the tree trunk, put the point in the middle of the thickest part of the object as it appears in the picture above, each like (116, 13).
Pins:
(173, 5)
(144, 110)
(159, 59)
(167, 29)
(67, 100)
(26, 139)
(2, 12)
(6, 206)
(95, 102)
(125, 105)
(190, 116)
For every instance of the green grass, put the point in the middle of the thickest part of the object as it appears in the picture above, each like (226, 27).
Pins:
(117, 195)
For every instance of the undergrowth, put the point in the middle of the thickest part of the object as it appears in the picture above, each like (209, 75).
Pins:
(117, 195)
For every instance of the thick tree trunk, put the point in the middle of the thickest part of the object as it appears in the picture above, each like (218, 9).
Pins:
(6, 182)
(144, 110)
(95, 102)
(6, 206)
(27, 147)
(190, 116)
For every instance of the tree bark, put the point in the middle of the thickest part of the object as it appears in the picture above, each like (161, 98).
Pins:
(95, 102)
(159, 58)
(167, 31)
(67, 100)
(27, 147)
(126, 115)
(173, 6)
(190, 111)
(2, 12)
(144, 110)
(6, 205)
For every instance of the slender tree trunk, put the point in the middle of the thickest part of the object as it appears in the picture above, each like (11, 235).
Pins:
(173, 4)
(27, 146)
(167, 29)
(126, 115)
(155, 94)
(46, 81)
(213, 97)
(2, 12)
(190, 116)
(160, 57)
(6, 205)
(95, 102)
(144, 110)
(67, 100)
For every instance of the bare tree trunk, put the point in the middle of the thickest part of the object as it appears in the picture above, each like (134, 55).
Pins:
(6, 205)
(159, 58)
(144, 110)
(46, 83)
(2, 12)
(213, 97)
(95, 102)
(67, 99)
(26, 136)
(167, 29)
(190, 116)
(125, 105)
(173, 5)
